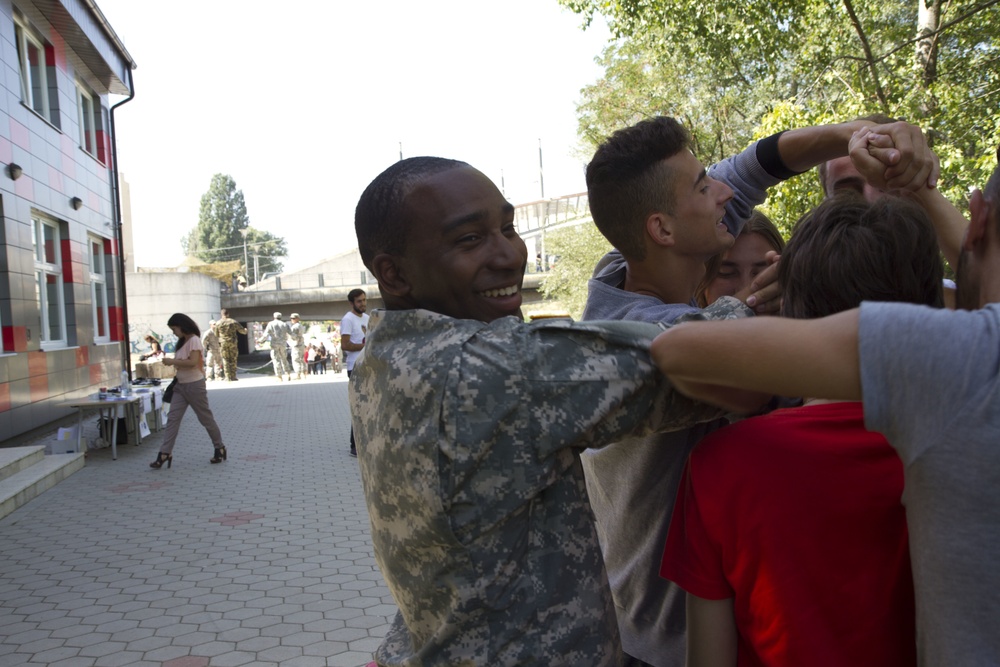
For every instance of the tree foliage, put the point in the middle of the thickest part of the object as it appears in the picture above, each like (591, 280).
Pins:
(579, 247)
(222, 224)
(737, 70)
(267, 248)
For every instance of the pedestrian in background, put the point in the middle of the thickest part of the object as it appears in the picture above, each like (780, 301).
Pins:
(297, 343)
(277, 332)
(226, 329)
(189, 390)
(213, 353)
(353, 329)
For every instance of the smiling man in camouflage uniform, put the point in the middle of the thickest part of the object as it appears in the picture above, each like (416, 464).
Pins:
(473, 424)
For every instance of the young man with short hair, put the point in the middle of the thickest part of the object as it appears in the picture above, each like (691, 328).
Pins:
(929, 382)
(353, 330)
(471, 424)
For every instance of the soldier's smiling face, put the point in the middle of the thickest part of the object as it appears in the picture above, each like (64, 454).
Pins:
(463, 257)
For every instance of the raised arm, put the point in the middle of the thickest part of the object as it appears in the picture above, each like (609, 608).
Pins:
(871, 149)
(909, 165)
(813, 358)
(803, 148)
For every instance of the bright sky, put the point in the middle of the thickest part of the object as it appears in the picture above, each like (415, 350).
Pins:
(303, 103)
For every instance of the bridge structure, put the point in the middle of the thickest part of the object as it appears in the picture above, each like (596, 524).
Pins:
(323, 296)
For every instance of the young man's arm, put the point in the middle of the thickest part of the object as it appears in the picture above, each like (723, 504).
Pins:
(810, 358)
(908, 166)
(949, 223)
(711, 630)
(345, 339)
(345, 342)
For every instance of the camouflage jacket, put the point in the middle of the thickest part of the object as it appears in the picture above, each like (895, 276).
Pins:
(277, 331)
(211, 342)
(226, 329)
(296, 334)
(469, 437)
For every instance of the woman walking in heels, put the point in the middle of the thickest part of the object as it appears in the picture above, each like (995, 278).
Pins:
(188, 391)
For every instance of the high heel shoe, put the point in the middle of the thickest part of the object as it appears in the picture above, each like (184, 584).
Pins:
(220, 455)
(162, 458)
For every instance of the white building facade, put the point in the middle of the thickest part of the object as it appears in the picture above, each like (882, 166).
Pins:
(61, 290)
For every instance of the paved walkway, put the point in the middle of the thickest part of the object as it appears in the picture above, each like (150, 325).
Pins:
(262, 560)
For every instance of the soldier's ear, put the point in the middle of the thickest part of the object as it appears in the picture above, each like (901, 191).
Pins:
(390, 275)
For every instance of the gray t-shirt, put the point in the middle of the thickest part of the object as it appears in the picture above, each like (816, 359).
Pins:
(931, 386)
(632, 484)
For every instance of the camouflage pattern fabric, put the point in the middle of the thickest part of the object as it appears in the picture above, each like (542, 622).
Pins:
(297, 343)
(213, 355)
(278, 332)
(470, 438)
(226, 329)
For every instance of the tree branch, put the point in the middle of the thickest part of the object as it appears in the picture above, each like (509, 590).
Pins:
(868, 54)
(941, 29)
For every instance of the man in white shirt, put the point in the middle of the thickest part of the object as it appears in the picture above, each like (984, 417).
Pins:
(353, 328)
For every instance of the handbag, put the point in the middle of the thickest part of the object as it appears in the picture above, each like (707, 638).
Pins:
(168, 393)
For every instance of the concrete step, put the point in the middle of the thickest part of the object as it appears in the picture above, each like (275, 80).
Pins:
(15, 459)
(35, 478)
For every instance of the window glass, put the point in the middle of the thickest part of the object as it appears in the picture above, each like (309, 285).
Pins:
(48, 283)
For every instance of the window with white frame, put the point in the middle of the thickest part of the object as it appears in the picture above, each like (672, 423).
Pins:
(99, 290)
(37, 91)
(89, 107)
(47, 242)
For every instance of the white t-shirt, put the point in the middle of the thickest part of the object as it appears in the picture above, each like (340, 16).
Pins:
(355, 326)
(186, 374)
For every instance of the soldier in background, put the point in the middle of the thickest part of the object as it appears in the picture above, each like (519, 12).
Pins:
(277, 332)
(297, 343)
(227, 329)
(213, 353)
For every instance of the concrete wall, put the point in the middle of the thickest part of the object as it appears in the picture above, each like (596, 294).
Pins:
(154, 297)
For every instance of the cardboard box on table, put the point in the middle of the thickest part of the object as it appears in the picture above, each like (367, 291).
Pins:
(154, 369)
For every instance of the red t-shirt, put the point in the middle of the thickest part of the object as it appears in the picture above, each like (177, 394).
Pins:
(796, 515)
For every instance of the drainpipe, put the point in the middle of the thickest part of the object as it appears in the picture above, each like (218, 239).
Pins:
(126, 365)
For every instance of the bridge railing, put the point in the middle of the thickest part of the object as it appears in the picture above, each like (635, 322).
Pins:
(537, 215)
(311, 280)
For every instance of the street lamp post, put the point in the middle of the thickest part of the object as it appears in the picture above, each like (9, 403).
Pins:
(246, 262)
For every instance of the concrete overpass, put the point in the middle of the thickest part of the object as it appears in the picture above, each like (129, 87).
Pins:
(324, 303)
(323, 296)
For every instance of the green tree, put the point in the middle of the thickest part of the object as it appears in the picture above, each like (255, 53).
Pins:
(267, 248)
(579, 247)
(735, 70)
(222, 224)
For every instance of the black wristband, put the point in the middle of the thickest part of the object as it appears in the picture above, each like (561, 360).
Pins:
(770, 158)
